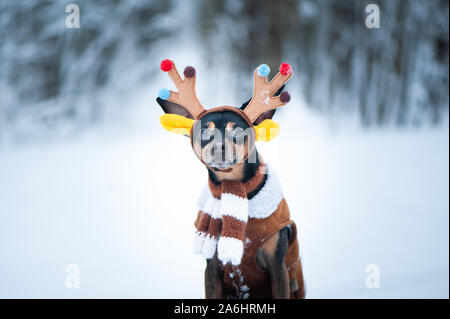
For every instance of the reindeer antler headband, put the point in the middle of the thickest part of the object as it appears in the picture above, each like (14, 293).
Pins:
(262, 100)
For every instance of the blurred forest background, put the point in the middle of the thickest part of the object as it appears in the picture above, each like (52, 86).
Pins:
(52, 77)
(88, 177)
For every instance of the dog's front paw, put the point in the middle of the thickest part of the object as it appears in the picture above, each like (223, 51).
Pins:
(230, 250)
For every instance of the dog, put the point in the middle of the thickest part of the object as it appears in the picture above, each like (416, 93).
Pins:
(243, 225)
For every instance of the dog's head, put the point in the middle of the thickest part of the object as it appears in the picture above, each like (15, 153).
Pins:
(224, 136)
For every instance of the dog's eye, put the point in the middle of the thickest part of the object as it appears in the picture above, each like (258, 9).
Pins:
(237, 132)
(206, 134)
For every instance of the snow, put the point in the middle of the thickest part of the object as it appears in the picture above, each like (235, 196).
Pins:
(120, 202)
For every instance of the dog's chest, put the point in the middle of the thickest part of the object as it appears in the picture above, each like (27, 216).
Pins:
(247, 280)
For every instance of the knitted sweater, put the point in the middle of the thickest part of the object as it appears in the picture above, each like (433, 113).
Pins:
(232, 228)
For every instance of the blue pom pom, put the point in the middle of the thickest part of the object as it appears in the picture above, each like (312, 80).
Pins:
(164, 94)
(263, 70)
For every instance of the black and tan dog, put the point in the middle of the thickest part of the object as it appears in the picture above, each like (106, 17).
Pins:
(243, 225)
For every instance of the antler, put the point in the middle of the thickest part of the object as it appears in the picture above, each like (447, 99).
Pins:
(185, 96)
(263, 99)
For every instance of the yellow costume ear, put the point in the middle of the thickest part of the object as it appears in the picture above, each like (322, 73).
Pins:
(176, 123)
(267, 130)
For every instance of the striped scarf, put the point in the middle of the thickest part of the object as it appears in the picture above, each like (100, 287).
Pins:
(223, 217)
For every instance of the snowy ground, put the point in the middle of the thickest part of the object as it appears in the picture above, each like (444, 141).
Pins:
(121, 205)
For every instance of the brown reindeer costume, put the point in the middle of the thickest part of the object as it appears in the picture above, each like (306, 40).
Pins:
(268, 213)
(236, 219)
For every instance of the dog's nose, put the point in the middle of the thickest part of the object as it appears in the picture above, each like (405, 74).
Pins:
(218, 148)
(218, 151)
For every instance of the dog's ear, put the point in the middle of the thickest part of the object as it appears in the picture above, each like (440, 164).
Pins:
(173, 108)
(266, 115)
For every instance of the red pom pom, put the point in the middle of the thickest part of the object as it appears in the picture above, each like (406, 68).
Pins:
(166, 65)
(285, 69)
